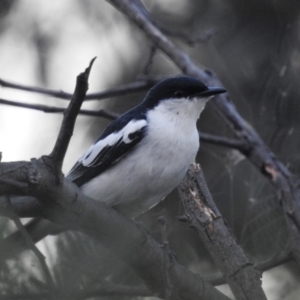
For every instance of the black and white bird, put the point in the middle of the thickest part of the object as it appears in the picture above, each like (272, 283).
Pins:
(144, 154)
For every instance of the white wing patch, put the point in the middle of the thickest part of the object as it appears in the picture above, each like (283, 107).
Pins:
(112, 139)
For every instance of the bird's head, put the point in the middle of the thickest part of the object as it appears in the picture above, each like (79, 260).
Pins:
(179, 90)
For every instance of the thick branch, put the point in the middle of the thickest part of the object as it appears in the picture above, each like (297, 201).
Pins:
(204, 217)
(67, 206)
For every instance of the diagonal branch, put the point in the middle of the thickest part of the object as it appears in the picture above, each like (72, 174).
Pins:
(70, 115)
(258, 153)
(41, 258)
(204, 216)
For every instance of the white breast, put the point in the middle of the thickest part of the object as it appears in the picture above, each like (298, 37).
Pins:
(156, 165)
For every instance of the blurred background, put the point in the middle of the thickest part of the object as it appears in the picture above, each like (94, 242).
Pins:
(255, 52)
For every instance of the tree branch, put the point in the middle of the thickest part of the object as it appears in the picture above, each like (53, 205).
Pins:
(23, 207)
(263, 266)
(53, 109)
(125, 89)
(205, 218)
(41, 258)
(223, 141)
(70, 115)
(65, 205)
(132, 87)
(258, 153)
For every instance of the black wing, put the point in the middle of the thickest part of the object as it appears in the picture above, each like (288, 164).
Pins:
(108, 149)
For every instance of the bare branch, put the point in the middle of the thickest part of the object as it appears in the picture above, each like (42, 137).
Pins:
(38, 90)
(125, 89)
(23, 207)
(263, 266)
(277, 260)
(132, 87)
(41, 258)
(149, 61)
(66, 205)
(53, 109)
(223, 141)
(204, 217)
(67, 127)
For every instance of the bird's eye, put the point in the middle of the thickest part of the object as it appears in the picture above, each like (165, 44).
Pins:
(179, 94)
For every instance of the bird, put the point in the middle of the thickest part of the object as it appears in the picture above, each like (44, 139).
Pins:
(145, 153)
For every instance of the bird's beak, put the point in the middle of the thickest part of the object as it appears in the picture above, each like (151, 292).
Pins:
(211, 91)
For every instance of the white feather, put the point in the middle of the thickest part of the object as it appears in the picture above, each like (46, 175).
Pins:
(90, 155)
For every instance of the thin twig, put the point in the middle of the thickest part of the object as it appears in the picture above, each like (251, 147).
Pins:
(149, 61)
(204, 38)
(223, 141)
(70, 115)
(41, 258)
(57, 94)
(132, 87)
(125, 89)
(53, 109)
(275, 261)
